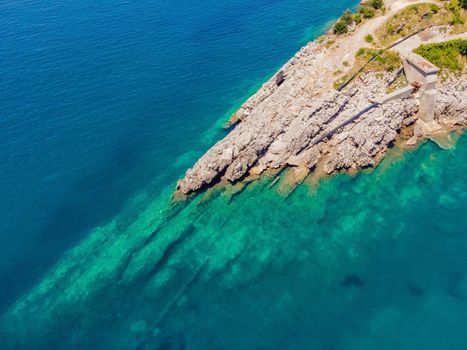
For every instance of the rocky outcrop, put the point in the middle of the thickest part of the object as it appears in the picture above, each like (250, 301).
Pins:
(293, 121)
(451, 103)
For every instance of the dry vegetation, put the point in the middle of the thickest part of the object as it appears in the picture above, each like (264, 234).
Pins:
(400, 82)
(420, 16)
(383, 61)
(452, 14)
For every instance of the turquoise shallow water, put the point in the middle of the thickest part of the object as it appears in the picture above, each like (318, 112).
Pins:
(375, 261)
(107, 104)
(103, 100)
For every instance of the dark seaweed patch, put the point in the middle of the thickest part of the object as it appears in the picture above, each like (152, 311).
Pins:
(415, 291)
(352, 281)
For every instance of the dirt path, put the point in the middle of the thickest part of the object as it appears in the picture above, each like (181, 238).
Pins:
(428, 36)
(347, 46)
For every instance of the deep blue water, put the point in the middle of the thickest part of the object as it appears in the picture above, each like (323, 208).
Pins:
(98, 99)
(105, 105)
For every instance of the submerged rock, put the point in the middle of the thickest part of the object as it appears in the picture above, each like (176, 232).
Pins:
(138, 326)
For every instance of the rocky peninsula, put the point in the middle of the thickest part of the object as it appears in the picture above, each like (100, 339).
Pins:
(299, 119)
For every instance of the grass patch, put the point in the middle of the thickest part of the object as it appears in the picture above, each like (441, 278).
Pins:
(367, 11)
(338, 83)
(454, 6)
(416, 17)
(449, 55)
(400, 82)
(458, 9)
(347, 17)
(385, 61)
(337, 72)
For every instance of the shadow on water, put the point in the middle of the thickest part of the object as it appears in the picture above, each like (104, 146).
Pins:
(92, 200)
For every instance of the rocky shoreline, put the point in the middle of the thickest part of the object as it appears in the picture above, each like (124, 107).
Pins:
(297, 120)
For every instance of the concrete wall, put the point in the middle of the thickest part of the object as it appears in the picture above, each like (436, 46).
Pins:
(401, 93)
(419, 70)
(427, 105)
(415, 75)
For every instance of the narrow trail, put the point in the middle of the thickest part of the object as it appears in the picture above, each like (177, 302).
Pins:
(428, 36)
(348, 46)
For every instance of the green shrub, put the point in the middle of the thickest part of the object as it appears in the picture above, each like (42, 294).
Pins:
(340, 27)
(369, 38)
(445, 55)
(361, 51)
(415, 8)
(457, 19)
(366, 11)
(376, 4)
(347, 18)
(390, 29)
(463, 48)
(367, 53)
(357, 18)
(434, 8)
(455, 7)
(390, 60)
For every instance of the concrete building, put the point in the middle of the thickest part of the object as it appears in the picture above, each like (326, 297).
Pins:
(420, 71)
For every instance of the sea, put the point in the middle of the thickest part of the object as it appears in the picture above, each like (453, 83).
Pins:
(105, 104)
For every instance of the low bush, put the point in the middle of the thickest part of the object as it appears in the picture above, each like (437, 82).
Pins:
(361, 51)
(366, 11)
(329, 43)
(376, 4)
(347, 17)
(357, 18)
(455, 6)
(449, 55)
(463, 48)
(340, 27)
(369, 38)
